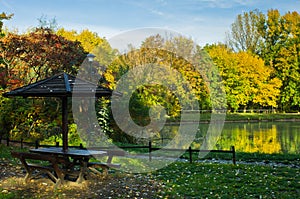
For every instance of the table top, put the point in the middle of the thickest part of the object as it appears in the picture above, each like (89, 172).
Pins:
(69, 152)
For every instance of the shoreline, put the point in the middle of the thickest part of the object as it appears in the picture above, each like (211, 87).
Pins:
(233, 121)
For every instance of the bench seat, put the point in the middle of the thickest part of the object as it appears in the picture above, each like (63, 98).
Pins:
(108, 164)
(51, 169)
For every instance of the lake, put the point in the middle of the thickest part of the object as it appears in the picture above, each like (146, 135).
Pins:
(264, 137)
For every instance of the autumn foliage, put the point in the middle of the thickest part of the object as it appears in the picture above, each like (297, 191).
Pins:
(258, 67)
(36, 55)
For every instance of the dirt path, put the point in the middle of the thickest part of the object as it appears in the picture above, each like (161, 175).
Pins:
(115, 185)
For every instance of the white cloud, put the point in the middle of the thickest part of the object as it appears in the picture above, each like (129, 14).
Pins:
(157, 12)
(102, 31)
(135, 37)
(161, 2)
(227, 4)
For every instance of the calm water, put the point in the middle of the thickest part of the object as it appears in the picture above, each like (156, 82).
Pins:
(265, 137)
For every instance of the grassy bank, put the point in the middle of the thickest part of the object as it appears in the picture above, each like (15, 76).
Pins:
(262, 116)
(251, 117)
(284, 159)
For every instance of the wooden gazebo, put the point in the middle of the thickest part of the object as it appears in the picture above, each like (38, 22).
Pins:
(61, 85)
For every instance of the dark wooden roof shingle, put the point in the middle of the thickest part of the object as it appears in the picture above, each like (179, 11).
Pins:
(60, 85)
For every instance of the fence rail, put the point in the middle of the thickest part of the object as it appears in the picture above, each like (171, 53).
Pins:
(150, 148)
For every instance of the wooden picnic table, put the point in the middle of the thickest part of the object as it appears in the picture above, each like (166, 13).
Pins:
(79, 157)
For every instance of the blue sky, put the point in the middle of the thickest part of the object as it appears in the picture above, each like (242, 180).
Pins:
(205, 21)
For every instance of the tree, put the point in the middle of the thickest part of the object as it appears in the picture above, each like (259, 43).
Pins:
(104, 53)
(4, 16)
(275, 38)
(244, 34)
(281, 50)
(28, 58)
(89, 40)
(46, 23)
(248, 82)
(38, 54)
(166, 53)
(165, 78)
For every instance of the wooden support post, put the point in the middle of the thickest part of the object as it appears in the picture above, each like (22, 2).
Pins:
(233, 155)
(150, 150)
(190, 153)
(65, 122)
(37, 144)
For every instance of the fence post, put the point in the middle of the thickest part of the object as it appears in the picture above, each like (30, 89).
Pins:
(233, 155)
(57, 144)
(81, 146)
(190, 153)
(7, 141)
(37, 144)
(21, 143)
(150, 150)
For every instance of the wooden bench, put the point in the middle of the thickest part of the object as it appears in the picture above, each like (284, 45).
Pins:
(108, 164)
(52, 168)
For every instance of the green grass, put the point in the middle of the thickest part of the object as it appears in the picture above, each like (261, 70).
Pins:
(263, 157)
(205, 117)
(5, 151)
(249, 157)
(199, 180)
(4, 195)
(261, 116)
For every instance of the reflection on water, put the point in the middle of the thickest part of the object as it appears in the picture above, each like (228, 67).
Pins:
(264, 137)
(251, 138)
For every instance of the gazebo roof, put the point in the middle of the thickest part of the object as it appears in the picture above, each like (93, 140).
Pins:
(60, 85)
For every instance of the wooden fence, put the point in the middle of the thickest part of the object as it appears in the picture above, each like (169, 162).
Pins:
(150, 148)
